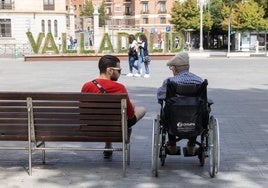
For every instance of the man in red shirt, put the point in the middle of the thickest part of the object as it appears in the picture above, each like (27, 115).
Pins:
(109, 67)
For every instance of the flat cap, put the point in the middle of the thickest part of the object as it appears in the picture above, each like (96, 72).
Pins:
(181, 59)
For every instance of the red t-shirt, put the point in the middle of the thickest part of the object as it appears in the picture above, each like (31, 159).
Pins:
(110, 87)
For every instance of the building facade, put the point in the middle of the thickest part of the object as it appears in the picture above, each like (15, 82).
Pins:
(18, 17)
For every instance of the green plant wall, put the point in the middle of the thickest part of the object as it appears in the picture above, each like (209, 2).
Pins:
(50, 45)
(106, 44)
(35, 46)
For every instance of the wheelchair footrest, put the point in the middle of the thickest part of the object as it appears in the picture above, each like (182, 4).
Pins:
(178, 151)
(185, 153)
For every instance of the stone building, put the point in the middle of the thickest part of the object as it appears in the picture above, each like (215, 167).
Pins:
(18, 17)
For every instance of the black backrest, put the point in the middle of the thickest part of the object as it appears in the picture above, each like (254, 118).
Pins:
(189, 90)
(186, 110)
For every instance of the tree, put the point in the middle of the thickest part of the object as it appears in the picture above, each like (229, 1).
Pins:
(215, 9)
(247, 16)
(88, 9)
(186, 15)
(103, 16)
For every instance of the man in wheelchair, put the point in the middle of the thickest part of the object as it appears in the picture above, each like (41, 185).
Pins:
(179, 65)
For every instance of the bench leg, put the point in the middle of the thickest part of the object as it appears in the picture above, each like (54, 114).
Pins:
(43, 154)
(30, 158)
(128, 153)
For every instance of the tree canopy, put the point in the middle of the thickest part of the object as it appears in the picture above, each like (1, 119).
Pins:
(246, 15)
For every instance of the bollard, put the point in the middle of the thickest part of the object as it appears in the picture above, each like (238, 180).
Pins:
(16, 53)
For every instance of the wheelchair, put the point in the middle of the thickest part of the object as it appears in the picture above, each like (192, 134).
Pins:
(185, 113)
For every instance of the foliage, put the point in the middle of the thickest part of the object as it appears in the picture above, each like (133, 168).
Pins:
(119, 42)
(106, 44)
(82, 45)
(186, 15)
(36, 45)
(103, 16)
(247, 16)
(50, 45)
(181, 43)
(88, 9)
(215, 9)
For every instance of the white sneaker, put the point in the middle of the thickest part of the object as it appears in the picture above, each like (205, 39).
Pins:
(137, 75)
(147, 76)
(129, 74)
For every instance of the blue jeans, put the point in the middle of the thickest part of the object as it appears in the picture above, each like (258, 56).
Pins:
(147, 70)
(140, 61)
(132, 65)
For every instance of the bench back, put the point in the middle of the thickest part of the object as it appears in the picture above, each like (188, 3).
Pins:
(62, 116)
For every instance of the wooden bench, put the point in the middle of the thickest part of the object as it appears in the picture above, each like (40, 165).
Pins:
(39, 117)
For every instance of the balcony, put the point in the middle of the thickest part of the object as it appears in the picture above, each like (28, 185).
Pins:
(108, 2)
(144, 11)
(49, 7)
(128, 13)
(162, 11)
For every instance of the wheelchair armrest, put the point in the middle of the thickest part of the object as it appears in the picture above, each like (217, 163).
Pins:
(210, 102)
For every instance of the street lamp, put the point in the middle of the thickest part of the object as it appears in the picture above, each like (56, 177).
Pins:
(201, 3)
(229, 26)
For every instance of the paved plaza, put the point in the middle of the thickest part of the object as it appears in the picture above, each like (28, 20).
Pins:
(238, 86)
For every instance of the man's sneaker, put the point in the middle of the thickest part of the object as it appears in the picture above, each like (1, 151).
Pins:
(137, 75)
(147, 76)
(190, 149)
(172, 149)
(107, 154)
(130, 74)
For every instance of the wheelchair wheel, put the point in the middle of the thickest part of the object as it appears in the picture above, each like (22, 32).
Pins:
(214, 146)
(155, 145)
(163, 154)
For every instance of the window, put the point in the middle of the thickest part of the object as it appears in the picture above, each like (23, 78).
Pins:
(49, 26)
(145, 8)
(43, 26)
(108, 10)
(163, 7)
(49, 5)
(145, 20)
(55, 28)
(5, 27)
(117, 9)
(5, 4)
(128, 10)
(163, 20)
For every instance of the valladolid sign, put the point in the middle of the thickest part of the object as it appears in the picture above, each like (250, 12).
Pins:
(46, 44)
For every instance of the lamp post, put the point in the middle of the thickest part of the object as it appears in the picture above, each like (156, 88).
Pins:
(229, 26)
(201, 3)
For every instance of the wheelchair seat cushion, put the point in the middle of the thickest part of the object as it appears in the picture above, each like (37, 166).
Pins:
(184, 116)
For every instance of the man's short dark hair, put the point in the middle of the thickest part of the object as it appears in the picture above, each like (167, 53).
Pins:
(107, 61)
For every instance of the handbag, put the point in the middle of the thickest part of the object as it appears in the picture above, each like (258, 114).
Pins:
(132, 52)
(147, 59)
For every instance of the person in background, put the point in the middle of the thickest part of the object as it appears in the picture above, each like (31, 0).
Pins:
(179, 65)
(143, 46)
(132, 54)
(109, 67)
(59, 44)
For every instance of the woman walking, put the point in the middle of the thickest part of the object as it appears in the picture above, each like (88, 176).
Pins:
(132, 54)
(143, 46)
